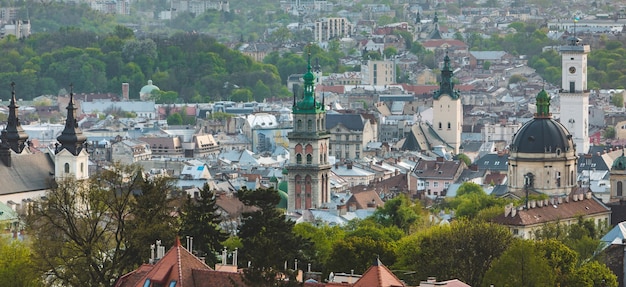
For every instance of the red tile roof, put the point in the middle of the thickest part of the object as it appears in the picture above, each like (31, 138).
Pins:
(378, 275)
(553, 211)
(184, 268)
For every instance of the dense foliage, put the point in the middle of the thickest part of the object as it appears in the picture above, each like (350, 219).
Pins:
(196, 67)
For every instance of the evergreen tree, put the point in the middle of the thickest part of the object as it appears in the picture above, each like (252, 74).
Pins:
(268, 240)
(200, 220)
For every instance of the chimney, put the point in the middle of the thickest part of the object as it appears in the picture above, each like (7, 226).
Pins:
(349, 165)
(439, 159)
(125, 89)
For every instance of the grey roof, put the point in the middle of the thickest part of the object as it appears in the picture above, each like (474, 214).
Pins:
(353, 122)
(28, 172)
(488, 55)
(493, 161)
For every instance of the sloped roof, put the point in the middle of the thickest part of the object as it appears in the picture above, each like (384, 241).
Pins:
(176, 265)
(378, 275)
(353, 122)
(616, 235)
(552, 212)
(28, 172)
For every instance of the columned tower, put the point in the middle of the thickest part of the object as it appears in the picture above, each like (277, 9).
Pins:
(574, 94)
(308, 169)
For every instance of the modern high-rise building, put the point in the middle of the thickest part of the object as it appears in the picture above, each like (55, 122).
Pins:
(331, 28)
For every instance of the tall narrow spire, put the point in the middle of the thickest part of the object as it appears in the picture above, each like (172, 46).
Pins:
(308, 104)
(446, 87)
(13, 136)
(72, 138)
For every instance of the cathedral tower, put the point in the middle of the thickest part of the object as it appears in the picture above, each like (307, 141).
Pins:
(308, 169)
(574, 94)
(448, 109)
(71, 157)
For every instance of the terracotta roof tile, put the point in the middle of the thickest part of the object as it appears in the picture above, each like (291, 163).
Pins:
(554, 211)
(378, 275)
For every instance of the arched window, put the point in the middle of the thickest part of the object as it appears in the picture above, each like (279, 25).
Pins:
(439, 125)
(571, 177)
(309, 125)
(82, 166)
(298, 158)
(619, 188)
(67, 167)
(299, 124)
(449, 125)
(309, 159)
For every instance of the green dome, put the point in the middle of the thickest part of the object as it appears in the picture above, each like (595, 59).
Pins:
(308, 103)
(282, 192)
(285, 170)
(283, 186)
(147, 89)
(308, 76)
(273, 179)
(619, 163)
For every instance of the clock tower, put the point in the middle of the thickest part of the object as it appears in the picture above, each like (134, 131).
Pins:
(574, 93)
(308, 169)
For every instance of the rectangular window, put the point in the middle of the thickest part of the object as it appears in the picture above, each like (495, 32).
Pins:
(572, 87)
(436, 184)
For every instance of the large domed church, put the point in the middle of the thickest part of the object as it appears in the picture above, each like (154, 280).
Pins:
(542, 155)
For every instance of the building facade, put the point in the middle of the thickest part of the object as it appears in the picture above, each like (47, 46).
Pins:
(378, 73)
(331, 28)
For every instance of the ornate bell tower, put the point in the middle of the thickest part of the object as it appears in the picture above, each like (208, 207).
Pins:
(308, 169)
(448, 109)
(574, 94)
(71, 157)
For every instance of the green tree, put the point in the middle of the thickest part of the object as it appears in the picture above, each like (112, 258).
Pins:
(609, 132)
(399, 212)
(265, 229)
(617, 100)
(16, 267)
(486, 65)
(521, 265)
(80, 232)
(152, 210)
(199, 218)
(261, 91)
(241, 95)
(174, 119)
(323, 237)
(517, 78)
(389, 52)
(592, 274)
(463, 249)
(464, 158)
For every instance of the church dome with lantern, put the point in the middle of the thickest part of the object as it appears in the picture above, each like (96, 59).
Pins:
(542, 149)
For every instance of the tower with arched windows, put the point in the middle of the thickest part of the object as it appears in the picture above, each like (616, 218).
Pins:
(448, 109)
(71, 157)
(308, 169)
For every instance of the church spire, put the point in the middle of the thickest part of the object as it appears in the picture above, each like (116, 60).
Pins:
(308, 104)
(13, 136)
(72, 138)
(446, 87)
